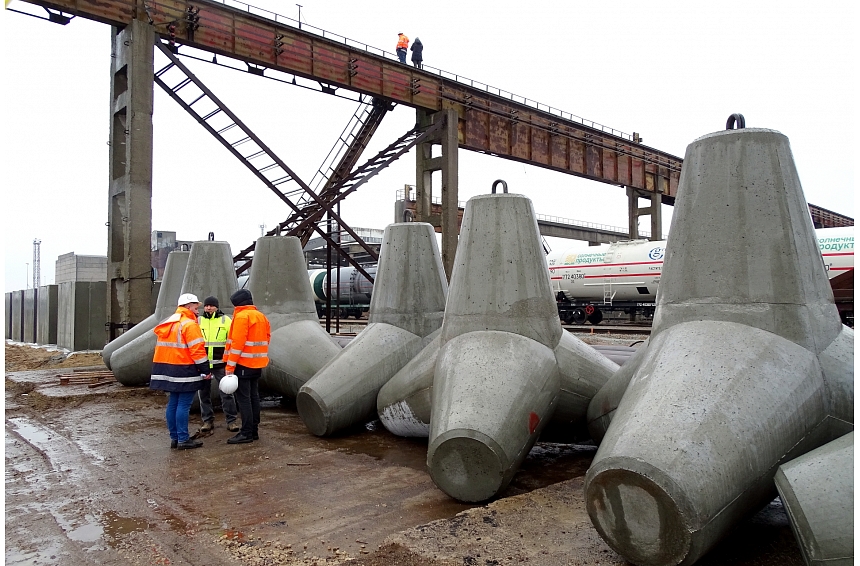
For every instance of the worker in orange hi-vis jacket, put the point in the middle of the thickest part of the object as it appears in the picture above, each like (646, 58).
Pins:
(402, 46)
(180, 366)
(246, 354)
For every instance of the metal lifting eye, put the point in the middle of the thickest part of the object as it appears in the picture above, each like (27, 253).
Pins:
(733, 119)
(504, 186)
(408, 216)
(211, 236)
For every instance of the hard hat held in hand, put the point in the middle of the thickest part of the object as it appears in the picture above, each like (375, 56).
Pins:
(229, 383)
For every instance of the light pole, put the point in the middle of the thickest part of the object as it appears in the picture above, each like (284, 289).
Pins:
(300, 15)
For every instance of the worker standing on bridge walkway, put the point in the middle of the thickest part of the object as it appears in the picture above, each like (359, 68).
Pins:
(402, 45)
(417, 50)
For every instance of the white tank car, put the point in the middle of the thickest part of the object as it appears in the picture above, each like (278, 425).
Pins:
(626, 274)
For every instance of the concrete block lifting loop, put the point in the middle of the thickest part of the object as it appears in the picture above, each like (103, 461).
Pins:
(736, 119)
(504, 186)
(408, 216)
(211, 236)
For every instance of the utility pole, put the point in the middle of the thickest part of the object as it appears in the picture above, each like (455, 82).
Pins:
(300, 15)
(37, 264)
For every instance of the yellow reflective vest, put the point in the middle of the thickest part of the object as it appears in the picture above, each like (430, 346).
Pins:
(215, 331)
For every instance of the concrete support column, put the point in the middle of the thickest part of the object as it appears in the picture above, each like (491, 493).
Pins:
(450, 191)
(654, 211)
(130, 183)
(447, 163)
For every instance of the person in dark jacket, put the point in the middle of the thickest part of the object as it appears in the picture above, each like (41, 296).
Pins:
(417, 50)
(215, 326)
(180, 366)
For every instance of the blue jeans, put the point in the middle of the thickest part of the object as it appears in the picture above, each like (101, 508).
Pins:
(228, 403)
(178, 405)
(401, 54)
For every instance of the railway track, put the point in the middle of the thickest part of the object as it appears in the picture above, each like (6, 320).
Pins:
(350, 325)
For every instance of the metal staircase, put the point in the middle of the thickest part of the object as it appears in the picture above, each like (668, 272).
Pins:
(190, 93)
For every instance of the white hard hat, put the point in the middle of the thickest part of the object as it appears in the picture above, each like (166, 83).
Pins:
(186, 298)
(229, 384)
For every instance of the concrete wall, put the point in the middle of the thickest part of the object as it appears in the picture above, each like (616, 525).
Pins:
(7, 315)
(31, 305)
(81, 315)
(46, 315)
(71, 267)
(17, 313)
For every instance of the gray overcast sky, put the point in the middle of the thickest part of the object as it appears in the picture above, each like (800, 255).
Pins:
(672, 71)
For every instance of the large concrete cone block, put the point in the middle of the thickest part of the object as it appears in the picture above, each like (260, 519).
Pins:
(407, 305)
(817, 491)
(297, 352)
(165, 304)
(410, 287)
(692, 449)
(344, 391)
(210, 273)
(582, 372)
(500, 279)
(743, 248)
(279, 282)
(493, 393)
(299, 347)
(404, 403)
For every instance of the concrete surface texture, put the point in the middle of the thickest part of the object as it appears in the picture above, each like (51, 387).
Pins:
(31, 305)
(817, 491)
(81, 312)
(165, 304)
(748, 365)
(299, 347)
(17, 310)
(209, 271)
(407, 306)
(46, 315)
(7, 318)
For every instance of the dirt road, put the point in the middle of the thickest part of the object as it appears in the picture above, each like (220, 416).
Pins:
(90, 479)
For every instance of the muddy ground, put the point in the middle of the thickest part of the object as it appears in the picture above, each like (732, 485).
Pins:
(90, 479)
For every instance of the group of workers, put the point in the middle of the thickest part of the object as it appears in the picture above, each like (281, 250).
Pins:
(192, 350)
(417, 50)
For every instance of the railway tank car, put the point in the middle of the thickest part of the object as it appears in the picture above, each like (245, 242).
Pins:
(353, 296)
(589, 281)
(624, 276)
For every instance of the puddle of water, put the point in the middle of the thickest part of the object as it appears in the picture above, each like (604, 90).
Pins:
(88, 532)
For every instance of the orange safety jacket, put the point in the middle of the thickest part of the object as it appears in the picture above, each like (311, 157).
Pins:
(180, 363)
(248, 339)
(402, 42)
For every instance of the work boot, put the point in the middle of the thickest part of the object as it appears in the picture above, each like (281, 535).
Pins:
(240, 439)
(207, 426)
(234, 427)
(173, 444)
(189, 444)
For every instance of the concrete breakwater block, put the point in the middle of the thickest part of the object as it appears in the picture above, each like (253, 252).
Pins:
(406, 308)
(748, 364)
(299, 347)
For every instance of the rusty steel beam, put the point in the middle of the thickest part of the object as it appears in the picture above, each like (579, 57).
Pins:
(488, 123)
